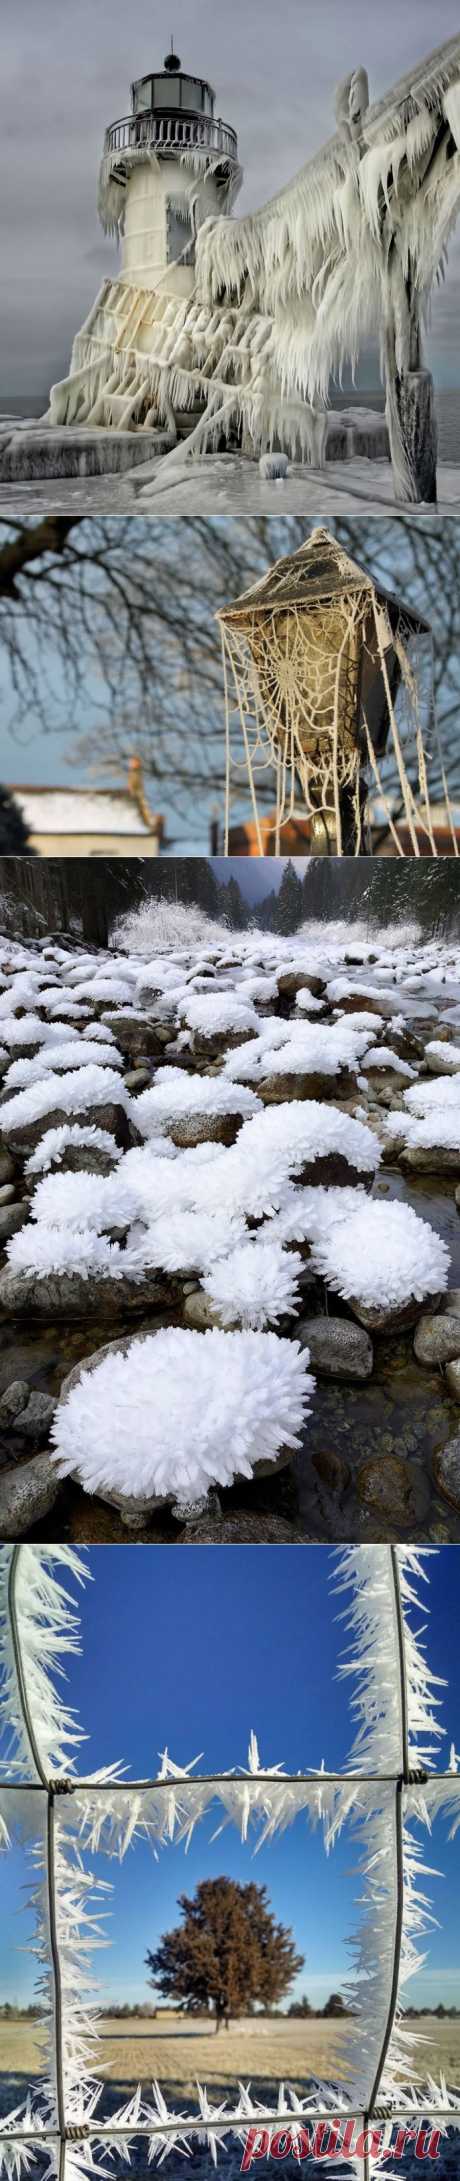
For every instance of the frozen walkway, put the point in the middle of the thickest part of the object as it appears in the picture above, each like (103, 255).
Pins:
(229, 485)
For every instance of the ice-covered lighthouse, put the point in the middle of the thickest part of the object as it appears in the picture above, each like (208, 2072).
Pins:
(167, 166)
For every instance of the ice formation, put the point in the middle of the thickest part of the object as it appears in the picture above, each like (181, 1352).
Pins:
(281, 299)
(383, 1257)
(223, 1402)
(389, 1794)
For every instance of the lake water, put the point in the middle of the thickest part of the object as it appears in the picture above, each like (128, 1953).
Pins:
(447, 409)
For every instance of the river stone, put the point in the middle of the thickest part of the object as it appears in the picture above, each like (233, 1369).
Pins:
(240, 1527)
(138, 1079)
(385, 1082)
(7, 1168)
(453, 1379)
(13, 1402)
(437, 1339)
(332, 1469)
(222, 1041)
(431, 1159)
(12, 1217)
(7, 1193)
(68, 1295)
(83, 1159)
(335, 1171)
(389, 1490)
(446, 1471)
(36, 1418)
(111, 1116)
(356, 1002)
(276, 1089)
(337, 1348)
(137, 1034)
(27, 1494)
(442, 1064)
(198, 1311)
(392, 1146)
(451, 1301)
(200, 1128)
(293, 981)
(392, 1320)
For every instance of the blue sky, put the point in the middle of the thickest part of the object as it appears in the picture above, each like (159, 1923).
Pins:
(193, 1649)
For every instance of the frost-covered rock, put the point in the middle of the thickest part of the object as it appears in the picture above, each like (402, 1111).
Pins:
(77, 1149)
(60, 1059)
(313, 1142)
(92, 1089)
(442, 1058)
(97, 1289)
(193, 1109)
(255, 1284)
(221, 1017)
(170, 1414)
(381, 1060)
(384, 1260)
(136, 1034)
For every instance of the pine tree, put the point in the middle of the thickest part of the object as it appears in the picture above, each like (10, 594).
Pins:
(14, 835)
(234, 905)
(227, 1954)
(290, 902)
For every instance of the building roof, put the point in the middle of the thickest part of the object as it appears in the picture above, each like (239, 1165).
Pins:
(64, 810)
(318, 572)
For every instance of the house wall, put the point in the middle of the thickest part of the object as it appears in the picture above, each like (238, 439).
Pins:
(94, 844)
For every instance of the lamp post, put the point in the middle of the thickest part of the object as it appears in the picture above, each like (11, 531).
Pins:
(315, 658)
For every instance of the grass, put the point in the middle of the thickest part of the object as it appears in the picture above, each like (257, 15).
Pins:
(177, 2049)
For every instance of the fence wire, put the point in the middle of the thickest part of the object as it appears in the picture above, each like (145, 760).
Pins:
(79, 1791)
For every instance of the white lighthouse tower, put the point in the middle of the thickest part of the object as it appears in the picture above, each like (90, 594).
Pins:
(167, 166)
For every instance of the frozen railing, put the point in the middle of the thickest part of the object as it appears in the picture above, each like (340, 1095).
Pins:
(174, 131)
(389, 1783)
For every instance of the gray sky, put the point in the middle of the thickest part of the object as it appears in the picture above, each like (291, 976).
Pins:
(256, 876)
(66, 72)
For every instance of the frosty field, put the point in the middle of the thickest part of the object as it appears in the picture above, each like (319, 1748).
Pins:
(228, 1175)
(174, 2051)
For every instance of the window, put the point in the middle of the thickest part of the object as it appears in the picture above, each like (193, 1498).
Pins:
(142, 100)
(179, 234)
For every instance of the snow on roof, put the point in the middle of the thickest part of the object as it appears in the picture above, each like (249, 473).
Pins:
(82, 810)
(319, 570)
(180, 1411)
